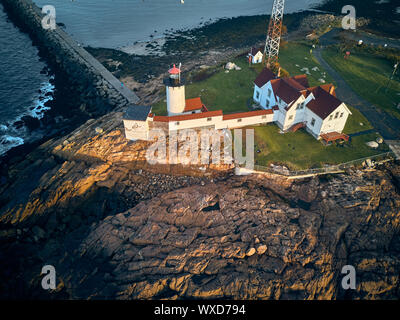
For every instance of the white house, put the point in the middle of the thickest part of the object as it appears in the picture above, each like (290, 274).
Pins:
(297, 105)
(256, 55)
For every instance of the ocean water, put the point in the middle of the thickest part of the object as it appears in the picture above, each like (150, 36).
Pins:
(98, 23)
(20, 82)
(120, 23)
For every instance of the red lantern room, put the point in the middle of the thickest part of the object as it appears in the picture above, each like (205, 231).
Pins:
(174, 78)
(174, 71)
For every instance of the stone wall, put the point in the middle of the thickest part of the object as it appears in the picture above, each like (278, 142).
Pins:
(97, 89)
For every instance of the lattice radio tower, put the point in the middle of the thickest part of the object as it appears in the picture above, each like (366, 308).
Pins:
(271, 51)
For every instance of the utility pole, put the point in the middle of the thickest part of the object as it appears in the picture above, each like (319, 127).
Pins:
(392, 76)
(271, 51)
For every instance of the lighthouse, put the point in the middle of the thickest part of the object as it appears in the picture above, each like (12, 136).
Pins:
(175, 92)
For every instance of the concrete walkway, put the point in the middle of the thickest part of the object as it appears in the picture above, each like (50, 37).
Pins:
(130, 96)
(387, 125)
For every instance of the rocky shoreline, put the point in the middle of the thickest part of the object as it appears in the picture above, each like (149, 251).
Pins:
(116, 227)
(82, 91)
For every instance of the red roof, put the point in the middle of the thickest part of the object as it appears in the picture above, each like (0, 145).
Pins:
(330, 88)
(284, 90)
(302, 80)
(193, 104)
(174, 70)
(184, 117)
(264, 77)
(247, 114)
(324, 103)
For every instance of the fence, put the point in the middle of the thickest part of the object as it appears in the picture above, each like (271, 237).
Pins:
(328, 169)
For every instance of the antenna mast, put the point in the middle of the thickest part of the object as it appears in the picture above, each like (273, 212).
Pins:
(271, 51)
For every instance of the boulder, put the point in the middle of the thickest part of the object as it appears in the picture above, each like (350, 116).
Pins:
(230, 66)
(250, 252)
(372, 144)
(261, 249)
(99, 130)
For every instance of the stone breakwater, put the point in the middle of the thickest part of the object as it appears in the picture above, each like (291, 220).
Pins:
(97, 89)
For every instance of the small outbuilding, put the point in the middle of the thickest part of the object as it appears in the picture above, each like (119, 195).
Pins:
(136, 122)
(256, 55)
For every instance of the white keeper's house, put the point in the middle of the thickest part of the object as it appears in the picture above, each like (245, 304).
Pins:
(297, 105)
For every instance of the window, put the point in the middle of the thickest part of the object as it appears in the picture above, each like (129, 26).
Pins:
(291, 118)
(336, 115)
(177, 123)
(209, 119)
(331, 117)
(239, 120)
(264, 117)
(341, 115)
(269, 92)
(302, 105)
(313, 122)
(258, 95)
(267, 103)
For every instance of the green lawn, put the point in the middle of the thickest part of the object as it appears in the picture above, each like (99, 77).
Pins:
(229, 92)
(354, 122)
(300, 150)
(368, 76)
(295, 56)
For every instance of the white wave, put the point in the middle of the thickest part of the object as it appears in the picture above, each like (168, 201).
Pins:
(39, 105)
(8, 142)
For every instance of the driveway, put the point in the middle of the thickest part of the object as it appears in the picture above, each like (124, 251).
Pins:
(367, 38)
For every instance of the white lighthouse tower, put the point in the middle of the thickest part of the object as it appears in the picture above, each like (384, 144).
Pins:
(175, 92)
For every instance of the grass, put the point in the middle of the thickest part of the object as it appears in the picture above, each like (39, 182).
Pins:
(300, 150)
(295, 56)
(230, 92)
(368, 76)
(353, 122)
